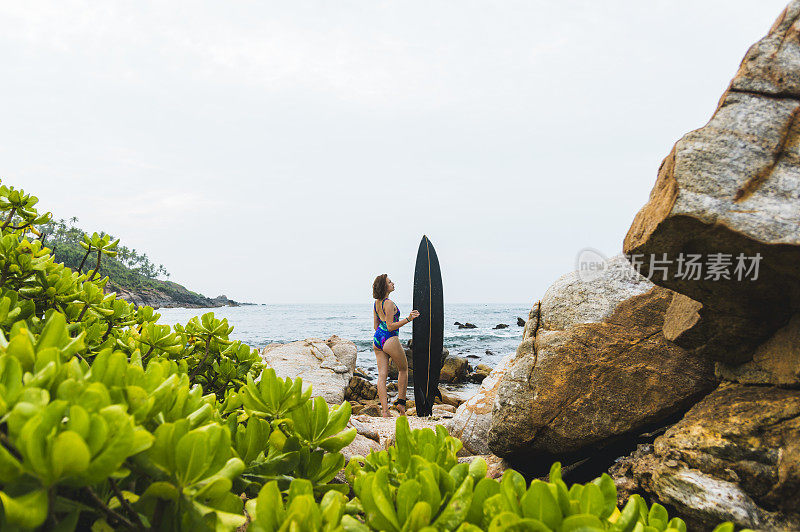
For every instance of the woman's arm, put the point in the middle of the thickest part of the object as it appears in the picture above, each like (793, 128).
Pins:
(389, 313)
(374, 317)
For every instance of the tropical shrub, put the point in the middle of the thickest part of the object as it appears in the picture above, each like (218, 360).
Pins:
(111, 420)
(418, 486)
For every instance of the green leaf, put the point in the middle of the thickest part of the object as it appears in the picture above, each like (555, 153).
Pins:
(419, 517)
(677, 523)
(457, 508)
(581, 523)
(539, 503)
(512, 485)
(408, 494)
(724, 527)
(592, 501)
(609, 491)
(70, 455)
(10, 467)
(658, 517)
(484, 489)
(27, 511)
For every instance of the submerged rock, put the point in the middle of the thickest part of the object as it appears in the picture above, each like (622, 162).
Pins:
(326, 365)
(593, 367)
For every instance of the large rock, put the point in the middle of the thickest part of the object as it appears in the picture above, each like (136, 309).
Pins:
(326, 365)
(594, 366)
(733, 187)
(454, 370)
(474, 417)
(776, 361)
(735, 456)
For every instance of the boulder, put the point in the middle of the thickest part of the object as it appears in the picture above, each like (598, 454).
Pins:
(776, 361)
(594, 367)
(732, 188)
(326, 365)
(473, 418)
(455, 369)
(520, 322)
(467, 326)
(360, 388)
(501, 326)
(735, 456)
(480, 372)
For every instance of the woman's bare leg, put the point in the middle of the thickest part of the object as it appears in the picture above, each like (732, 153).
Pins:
(383, 373)
(393, 348)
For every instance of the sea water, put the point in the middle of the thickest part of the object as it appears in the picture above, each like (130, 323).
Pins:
(259, 325)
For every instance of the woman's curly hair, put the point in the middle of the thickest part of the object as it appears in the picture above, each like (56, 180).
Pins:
(379, 286)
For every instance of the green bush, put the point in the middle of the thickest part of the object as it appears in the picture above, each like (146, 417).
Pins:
(111, 420)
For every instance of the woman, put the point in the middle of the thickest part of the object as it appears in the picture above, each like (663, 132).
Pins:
(386, 342)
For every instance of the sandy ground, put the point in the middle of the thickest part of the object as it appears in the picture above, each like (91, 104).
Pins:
(384, 426)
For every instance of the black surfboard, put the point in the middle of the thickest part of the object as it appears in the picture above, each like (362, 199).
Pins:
(428, 329)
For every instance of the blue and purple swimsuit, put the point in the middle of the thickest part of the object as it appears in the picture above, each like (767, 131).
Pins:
(382, 333)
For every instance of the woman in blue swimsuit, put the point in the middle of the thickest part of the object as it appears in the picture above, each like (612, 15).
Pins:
(386, 342)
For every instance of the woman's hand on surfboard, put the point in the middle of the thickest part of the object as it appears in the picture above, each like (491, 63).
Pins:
(414, 314)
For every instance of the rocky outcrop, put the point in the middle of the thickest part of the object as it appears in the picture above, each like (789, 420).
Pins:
(473, 418)
(326, 365)
(734, 456)
(166, 294)
(593, 367)
(733, 187)
(728, 193)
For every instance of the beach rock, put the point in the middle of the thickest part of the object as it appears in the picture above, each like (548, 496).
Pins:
(594, 367)
(458, 323)
(520, 322)
(473, 418)
(326, 365)
(467, 326)
(776, 361)
(444, 410)
(488, 352)
(360, 388)
(455, 369)
(372, 410)
(448, 399)
(732, 187)
(734, 456)
(480, 372)
(360, 446)
(364, 429)
(359, 372)
(501, 326)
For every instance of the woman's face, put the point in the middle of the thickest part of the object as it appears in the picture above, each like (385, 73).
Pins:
(389, 286)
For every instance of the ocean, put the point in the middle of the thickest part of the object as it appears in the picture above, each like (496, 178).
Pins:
(259, 325)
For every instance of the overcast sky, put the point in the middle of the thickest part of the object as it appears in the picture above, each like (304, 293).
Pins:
(291, 151)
